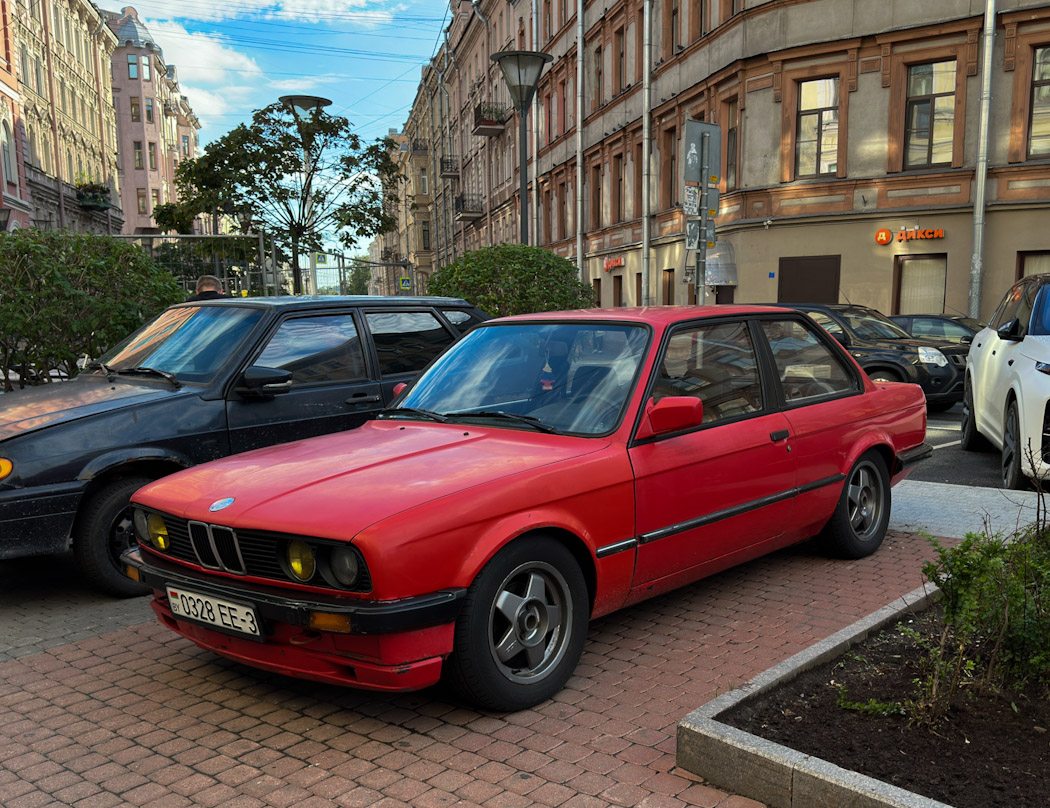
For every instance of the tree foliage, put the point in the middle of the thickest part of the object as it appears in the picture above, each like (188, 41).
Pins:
(513, 279)
(301, 178)
(68, 294)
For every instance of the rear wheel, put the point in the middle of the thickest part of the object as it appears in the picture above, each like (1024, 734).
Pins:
(1012, 476)
(521, 632)
(103, 532)
(862, 515)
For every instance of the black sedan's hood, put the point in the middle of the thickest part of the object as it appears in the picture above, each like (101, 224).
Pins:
(914, 343)
(27, 410)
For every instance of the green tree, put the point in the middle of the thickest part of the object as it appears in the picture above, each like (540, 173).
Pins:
(358, 276)
(68, 294)
(513, 279)
(299, 177)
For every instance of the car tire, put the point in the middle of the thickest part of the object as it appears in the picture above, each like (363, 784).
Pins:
(104, 531)
(970, 440)
(884, 376)
(521, 631)
(1011, 475)
(858, 525)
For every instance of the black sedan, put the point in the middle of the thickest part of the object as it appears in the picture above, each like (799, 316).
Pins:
(957, 328)
(888, 353)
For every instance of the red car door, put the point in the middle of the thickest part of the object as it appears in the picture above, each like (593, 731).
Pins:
(705, 496)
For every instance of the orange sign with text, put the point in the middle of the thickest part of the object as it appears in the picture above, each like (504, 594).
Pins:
(883, 236)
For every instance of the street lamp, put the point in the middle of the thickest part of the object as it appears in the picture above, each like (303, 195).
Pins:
(311, 105)
(521, 71)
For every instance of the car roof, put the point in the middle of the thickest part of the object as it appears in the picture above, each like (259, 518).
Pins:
(325, 301)
(650, 315)
(826, 306)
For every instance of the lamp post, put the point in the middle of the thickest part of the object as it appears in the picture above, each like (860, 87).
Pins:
(312, 105)
(521, 71)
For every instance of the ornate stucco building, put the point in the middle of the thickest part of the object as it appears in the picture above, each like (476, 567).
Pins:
(14, 195)
(840, 121)
(68, 135)
(156, 127)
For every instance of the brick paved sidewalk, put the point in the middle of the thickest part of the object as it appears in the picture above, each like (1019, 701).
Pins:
(142, 717)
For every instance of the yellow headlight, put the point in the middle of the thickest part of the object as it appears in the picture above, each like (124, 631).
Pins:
(157, 531)
(301, 560)
(5, 467)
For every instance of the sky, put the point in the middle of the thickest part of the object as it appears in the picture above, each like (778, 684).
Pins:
(236, 56)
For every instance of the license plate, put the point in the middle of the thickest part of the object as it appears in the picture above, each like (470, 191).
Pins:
(213, 611)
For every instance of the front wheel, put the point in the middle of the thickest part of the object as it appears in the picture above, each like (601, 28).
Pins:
(521, 631)
(859, 523)
(103, 532)
(1012, 476)
(884, 376)
(970, 440)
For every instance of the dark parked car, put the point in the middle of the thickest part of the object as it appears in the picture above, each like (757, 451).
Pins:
(888, 353)
(956, 328)
(201, 381)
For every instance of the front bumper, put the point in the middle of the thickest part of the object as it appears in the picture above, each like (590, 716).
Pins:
(392, 645)
(941, 385)
(37, 520)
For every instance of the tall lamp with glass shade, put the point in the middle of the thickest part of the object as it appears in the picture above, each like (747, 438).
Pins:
(310, 105)
(521, 72)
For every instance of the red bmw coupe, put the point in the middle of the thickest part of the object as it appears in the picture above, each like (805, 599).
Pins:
(544, 470)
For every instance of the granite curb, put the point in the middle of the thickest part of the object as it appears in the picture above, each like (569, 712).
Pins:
(777, 775)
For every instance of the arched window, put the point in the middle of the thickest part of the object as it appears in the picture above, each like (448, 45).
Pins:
(6, 155)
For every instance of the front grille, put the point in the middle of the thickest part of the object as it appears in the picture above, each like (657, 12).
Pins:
(245, 552)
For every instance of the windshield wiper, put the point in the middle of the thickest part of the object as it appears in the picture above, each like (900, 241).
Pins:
(144, 371)
(431, 416)
(530, 420)
(96, 365)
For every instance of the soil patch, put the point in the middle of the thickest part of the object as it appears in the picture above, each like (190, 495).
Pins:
(989, 751)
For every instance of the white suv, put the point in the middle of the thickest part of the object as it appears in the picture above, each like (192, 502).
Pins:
(1007, 385)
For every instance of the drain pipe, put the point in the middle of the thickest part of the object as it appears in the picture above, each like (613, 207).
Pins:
(977, 259)
(579, 137)
(535, 136)
(647, 139)
(476, 4)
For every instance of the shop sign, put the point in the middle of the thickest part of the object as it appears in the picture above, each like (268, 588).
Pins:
(884, 236)
(612, 263)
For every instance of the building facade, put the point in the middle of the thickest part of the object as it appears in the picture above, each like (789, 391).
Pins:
(156, 125)
(850, 145)
(14, 195)
(68, 133)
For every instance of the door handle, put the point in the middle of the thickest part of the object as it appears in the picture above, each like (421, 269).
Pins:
(1010, 363)
(363, 398)
(780, 434)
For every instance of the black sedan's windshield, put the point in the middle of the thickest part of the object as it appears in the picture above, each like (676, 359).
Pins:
(190, 343)
(872, 325)
(551, 377)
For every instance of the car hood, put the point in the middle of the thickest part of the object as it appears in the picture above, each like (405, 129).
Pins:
(1036, 348)
(913, 344)
(34, 408)
(334, 486)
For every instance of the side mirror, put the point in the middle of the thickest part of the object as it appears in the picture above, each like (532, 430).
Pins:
(672, 414)
(966, 339)
(399, 388)
(842, 337)
(266, 381)
(1010, 331)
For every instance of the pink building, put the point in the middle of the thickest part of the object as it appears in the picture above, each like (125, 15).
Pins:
(14, 199)
(156, 127)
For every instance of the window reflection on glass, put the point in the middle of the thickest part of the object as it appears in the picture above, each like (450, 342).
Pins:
(929, 127)
(406, 341)
(316, 349)
(817, 138)
(1039, 135)
(807, 367)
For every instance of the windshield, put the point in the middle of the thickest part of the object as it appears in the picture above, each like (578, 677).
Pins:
(189, 342)
(565, 377)
(870, 324)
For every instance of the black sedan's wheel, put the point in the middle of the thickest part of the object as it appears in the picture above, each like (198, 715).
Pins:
(1012, 476)
(522, 629)
(859, 523)
(103, 532)
(970, 440)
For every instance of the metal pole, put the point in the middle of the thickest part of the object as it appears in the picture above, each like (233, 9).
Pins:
(579, 140)
(977, 259)
(262, 264)
(700, 282)
(647, 135)
(522, 169)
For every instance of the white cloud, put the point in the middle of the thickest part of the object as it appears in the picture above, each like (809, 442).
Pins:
(310, 11)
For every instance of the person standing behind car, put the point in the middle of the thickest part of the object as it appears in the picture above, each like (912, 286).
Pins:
(208, 288)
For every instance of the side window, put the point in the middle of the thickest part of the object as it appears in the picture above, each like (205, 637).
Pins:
(923, 327)
(807, 367)
(460, 320)
(1008, 308)
(827, 323)
(716, 364)
(316, 350)
(406, 341)
(1025, 306)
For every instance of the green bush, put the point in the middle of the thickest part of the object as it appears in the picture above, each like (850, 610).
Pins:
(64, 294)
(513, 279)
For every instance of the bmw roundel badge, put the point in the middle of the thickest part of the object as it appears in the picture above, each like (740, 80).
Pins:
(219, 504)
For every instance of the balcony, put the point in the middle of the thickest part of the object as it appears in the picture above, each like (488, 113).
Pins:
(469, 207)
(450, 168)
(420, 147)
(490, 119)
(93, 196)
